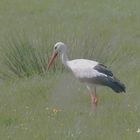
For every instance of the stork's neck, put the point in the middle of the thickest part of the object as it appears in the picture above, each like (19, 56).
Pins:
(64, 59)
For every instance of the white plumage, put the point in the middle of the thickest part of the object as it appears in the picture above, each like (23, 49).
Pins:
(83, 68)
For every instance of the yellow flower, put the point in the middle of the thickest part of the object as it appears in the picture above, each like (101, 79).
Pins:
(55, 110)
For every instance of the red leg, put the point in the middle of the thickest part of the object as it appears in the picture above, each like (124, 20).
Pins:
(94, 99)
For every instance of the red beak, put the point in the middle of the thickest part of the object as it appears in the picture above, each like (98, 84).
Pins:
(52, 59)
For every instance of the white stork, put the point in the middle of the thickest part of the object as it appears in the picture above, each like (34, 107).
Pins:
(90, 72)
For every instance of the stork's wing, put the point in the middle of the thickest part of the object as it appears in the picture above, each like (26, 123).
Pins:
(103, 69)
(108, 81)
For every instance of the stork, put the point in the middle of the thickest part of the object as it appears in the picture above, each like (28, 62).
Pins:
(92, 73)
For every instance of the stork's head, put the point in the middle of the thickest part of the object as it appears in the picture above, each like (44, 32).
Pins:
(59, 48)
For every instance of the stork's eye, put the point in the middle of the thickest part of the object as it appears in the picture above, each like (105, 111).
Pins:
(55, 47)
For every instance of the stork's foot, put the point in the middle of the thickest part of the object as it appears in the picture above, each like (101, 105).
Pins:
(94, 100)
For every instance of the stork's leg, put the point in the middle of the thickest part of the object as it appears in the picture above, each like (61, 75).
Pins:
(94, 99)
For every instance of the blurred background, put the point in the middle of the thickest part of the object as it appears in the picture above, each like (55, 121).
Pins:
(46, 105)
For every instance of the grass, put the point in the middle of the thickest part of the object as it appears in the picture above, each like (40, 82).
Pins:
(38, 106)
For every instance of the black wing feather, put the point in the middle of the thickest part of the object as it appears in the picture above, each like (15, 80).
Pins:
(103, 69)
(111, 82)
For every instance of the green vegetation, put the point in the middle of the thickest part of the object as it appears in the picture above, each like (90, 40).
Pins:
(39, 105)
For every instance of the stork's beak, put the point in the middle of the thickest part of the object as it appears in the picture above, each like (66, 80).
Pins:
(54, 55)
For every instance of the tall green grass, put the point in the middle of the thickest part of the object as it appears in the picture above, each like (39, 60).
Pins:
(24, 57)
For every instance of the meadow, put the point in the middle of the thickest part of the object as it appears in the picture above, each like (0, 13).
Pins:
(37, 104)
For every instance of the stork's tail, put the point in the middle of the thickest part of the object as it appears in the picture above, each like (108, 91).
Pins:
(115, 84)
